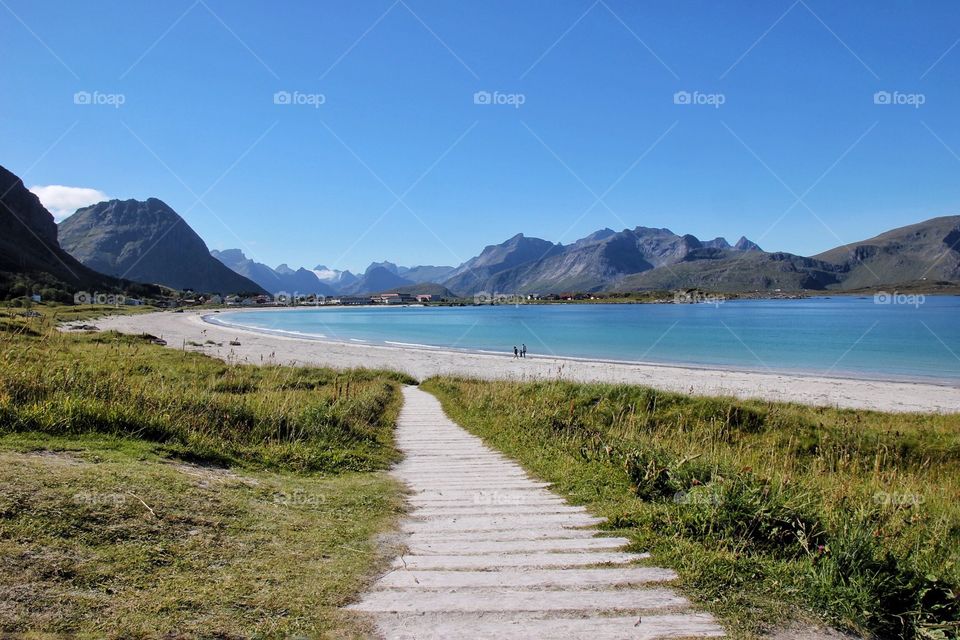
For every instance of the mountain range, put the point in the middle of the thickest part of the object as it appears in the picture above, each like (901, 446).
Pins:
(378, 277)
(148, 242)
(646, 258)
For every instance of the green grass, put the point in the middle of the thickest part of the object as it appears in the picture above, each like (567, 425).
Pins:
(148, 492)
(767, 511)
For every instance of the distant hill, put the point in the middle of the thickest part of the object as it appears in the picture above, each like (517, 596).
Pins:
(928, 250)
(725, 270)
(282, 279)
(31, 258)
(147, 241)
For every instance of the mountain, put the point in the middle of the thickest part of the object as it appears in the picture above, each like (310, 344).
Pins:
(477, 274)
(31, 258)
(594, 263)
(426, 273)
(376, 278)
(335, 279)
(283, 279)
(147, 242)
(928, 250)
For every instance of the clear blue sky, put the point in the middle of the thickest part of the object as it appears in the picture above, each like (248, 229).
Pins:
(299, 184)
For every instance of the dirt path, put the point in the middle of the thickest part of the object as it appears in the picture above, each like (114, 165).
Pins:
(494, 554)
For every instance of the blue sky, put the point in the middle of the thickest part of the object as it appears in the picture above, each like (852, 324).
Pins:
(400, 163)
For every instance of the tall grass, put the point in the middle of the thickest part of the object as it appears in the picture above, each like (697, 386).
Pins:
(197, 408)
(854, 515)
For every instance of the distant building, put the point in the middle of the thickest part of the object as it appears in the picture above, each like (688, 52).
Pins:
(394, 298)
(36, 297)
(424, 297)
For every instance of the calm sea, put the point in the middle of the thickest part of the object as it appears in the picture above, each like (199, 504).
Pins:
(906, 339)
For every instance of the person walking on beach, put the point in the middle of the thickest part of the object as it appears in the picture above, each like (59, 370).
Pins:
(516, 352)
(523, 351)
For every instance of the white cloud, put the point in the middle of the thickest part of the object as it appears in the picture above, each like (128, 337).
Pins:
(63, 201)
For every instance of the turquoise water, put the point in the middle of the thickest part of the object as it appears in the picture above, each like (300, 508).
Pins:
(825, 336)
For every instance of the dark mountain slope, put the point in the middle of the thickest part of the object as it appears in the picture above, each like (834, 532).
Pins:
(31, 258)
(147, 242)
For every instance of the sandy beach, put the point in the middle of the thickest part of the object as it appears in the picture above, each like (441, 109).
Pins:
(262, 348)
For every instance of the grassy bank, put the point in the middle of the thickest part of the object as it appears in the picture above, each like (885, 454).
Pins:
(767, 511)
(148, 492)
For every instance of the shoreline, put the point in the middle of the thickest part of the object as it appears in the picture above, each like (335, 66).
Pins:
(259, 347)
(212, 319)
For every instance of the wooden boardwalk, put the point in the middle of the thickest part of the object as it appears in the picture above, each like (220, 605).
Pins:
(494, 554)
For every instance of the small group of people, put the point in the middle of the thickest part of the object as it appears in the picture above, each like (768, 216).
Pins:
(521, 352)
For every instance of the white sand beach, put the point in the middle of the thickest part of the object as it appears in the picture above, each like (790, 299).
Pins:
(262, 348)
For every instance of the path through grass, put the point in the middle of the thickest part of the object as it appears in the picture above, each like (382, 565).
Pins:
(767, 510)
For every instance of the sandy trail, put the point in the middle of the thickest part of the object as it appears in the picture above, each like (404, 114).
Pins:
(178, 329)
(493, 554)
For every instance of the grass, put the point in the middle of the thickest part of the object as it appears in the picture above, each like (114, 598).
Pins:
(147, 492)
(768, 511)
